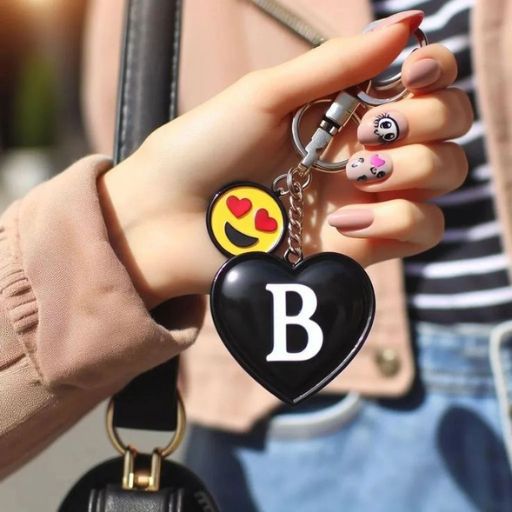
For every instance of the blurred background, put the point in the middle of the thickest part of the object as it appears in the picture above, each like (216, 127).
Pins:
(41, 129)
(41, 133)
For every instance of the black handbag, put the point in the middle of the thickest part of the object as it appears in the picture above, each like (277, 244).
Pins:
(138, 482)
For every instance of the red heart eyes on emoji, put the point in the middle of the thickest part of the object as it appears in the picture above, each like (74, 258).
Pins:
(264, 222)
(238, 207)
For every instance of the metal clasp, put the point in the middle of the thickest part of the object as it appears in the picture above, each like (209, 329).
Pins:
(141, 479)
(342, 110)
(144, 479)
(339, 113)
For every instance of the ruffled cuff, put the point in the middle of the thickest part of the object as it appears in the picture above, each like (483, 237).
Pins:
(68, 296)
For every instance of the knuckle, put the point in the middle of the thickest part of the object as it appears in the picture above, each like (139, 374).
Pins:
(422, 222)
(453, 67)
(434, 229)
(466, 110)
(260, 90)
(442, 112)
(452, 111)
(459, 164)
(460, 109)
(425, 162)
(406, 218)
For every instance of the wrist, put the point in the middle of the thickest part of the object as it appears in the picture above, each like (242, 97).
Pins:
(114, 197)
(166, 252)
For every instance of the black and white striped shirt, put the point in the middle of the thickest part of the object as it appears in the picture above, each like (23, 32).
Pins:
(464, 278)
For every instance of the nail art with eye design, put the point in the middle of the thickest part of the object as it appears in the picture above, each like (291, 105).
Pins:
(365, 166)
(385, 128)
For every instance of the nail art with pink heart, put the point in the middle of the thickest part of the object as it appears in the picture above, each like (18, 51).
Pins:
(365, 166)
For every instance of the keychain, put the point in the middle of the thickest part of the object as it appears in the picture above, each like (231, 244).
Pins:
(293, 323)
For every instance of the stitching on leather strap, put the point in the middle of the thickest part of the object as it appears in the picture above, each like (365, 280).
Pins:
(173, 104)
(129, 63)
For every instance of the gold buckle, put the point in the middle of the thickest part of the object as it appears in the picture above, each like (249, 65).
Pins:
(139, 478)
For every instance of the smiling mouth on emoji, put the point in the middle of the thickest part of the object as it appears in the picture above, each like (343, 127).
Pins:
(238, 238)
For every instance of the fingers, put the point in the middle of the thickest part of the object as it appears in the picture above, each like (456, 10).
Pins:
(435, 168)
(333, 66)
(394, 228)
(446, 114)
(429, 69)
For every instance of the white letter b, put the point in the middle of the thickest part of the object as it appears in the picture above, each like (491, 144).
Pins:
(303, 318)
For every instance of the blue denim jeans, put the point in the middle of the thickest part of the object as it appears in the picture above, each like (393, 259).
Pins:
(439, 449)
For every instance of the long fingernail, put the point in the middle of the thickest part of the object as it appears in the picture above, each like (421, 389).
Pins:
(384, 128)
(414, 18)
(422, 73)
(365, 166)
(351, 220)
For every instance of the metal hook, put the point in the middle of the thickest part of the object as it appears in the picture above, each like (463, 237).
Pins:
(340, 112)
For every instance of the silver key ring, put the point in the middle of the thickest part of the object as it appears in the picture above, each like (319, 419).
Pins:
(320, 165)
(386, 84)
(353, 98)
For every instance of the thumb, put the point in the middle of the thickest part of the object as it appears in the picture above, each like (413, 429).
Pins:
(337, 64)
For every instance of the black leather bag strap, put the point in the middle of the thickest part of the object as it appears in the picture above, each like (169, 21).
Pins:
(148, 99)
(148, 83)
(149, 402)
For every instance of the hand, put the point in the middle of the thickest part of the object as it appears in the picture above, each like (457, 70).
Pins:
(155, 201)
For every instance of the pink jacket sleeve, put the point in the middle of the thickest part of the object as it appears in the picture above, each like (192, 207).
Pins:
(73, 329)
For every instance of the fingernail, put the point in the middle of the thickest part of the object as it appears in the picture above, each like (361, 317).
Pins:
(365, 166)
(414, 18)
(422, 73)
(384, 128)
(351, 220)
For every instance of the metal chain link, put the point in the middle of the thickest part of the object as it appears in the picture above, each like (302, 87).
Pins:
(297, 179)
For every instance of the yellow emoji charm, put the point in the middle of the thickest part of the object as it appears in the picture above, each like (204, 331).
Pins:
(246, 217)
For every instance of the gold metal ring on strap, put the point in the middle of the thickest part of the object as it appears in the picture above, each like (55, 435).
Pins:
(175, 441)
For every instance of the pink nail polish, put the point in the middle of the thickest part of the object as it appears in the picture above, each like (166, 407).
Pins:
(414, 18)
(351, 220)
(365, 166)
(422, 73)
(384, 128)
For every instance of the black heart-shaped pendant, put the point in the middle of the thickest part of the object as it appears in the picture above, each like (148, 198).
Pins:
(292, 328)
